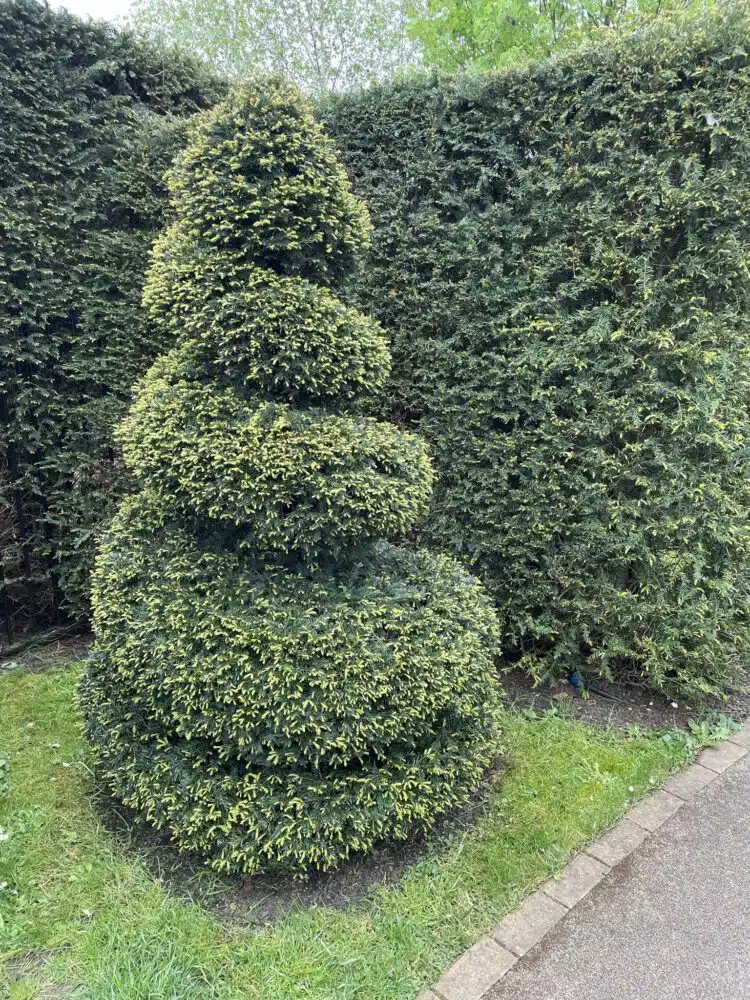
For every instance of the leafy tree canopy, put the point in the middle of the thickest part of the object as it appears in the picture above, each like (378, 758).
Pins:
(320, 44)
(487, 34)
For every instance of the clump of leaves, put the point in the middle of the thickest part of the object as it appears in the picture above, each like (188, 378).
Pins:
(706, 730)
(712, 727)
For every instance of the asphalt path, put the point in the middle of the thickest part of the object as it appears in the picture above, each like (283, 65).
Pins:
(671, 922)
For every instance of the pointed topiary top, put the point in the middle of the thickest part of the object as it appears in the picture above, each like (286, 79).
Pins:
(253, 419)
(260, 178)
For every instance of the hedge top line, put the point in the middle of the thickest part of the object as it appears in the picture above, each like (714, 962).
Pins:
(677, 45)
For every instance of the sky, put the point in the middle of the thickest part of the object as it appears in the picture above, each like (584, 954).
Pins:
(108, 10)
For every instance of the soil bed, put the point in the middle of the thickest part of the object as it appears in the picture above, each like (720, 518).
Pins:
(626, 704)
(45, 655)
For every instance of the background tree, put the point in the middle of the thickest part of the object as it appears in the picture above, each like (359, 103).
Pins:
(486, 34)
(320, 44)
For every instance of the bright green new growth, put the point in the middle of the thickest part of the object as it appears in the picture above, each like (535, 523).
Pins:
(273, 682)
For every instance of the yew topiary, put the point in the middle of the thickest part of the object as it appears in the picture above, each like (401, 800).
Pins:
(274, 682)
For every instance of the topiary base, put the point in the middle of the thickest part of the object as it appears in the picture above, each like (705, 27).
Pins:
(275, 717)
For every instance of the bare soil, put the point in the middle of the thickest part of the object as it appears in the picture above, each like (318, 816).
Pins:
(43, 656)
(618, 705)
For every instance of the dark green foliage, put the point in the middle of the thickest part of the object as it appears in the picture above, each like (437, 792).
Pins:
(84, 141)
(303, 342)
(273, 682)
(274, 719)
(560, 254)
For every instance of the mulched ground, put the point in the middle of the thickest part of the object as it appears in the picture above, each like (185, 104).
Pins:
(626, 705)
(47, 655)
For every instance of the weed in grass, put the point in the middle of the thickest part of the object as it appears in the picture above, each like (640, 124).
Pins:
(712, 728)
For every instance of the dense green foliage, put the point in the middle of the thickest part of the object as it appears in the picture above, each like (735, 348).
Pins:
(89, 121)
(561, 256)
(273, 682)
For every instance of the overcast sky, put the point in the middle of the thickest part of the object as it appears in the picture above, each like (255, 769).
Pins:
(108, 10)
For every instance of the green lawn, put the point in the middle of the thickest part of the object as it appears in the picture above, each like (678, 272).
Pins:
(120, 934)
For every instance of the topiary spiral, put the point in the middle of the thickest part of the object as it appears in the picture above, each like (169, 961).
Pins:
(273, 682)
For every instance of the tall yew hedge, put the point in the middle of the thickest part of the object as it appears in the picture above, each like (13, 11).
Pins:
(561, 258)
(89, 121)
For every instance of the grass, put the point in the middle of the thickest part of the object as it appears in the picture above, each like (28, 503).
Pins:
(73, 895)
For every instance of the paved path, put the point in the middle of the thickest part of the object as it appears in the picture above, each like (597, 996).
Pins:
(671, 922)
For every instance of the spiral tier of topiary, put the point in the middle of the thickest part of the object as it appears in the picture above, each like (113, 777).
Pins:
(272, 682)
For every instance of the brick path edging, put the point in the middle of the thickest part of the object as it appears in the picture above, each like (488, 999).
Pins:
(487, 961)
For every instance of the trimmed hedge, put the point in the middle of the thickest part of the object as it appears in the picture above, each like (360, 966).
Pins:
(274, 683)
(89, 121)
(560, 255)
